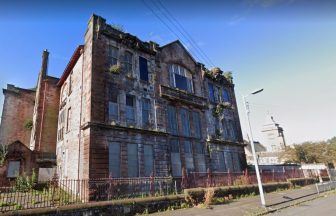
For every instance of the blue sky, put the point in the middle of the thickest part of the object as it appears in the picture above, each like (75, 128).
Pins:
(287, 47)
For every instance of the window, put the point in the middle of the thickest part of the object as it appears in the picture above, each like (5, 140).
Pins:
(70, 83)
(228, 161)
(114, 159)
(197, 125)
(217, 94)
(143, 68)
(113, 55)
(189, 161)
(128, 62)
(113, 106)
(60, 131)
(200, 158)
(220, 164)
(145, 111)
(236, 162)
(132, 160)
(172, 121)
(230, 130)
(13, 169)
(149, 160)
(175, 157)
(180, 78)
(130, 109)
(211, 92)
(69, 120)
(225, 95)
(185, 122)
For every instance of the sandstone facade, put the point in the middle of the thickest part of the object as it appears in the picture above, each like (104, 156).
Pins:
(129, 118)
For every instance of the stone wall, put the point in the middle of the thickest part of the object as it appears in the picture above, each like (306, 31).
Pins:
(17, 113)
(68, 145)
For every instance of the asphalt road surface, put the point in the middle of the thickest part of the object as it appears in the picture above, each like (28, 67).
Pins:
(324, 206)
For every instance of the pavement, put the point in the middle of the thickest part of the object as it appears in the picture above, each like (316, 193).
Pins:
(275, 201)
(322, 206)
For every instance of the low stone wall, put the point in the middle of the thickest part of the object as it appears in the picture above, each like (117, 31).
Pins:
(116, 207)
(155, 204)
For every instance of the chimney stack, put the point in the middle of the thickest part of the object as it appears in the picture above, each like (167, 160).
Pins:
(44, 67)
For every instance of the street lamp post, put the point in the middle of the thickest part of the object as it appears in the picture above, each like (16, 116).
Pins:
(247, 109)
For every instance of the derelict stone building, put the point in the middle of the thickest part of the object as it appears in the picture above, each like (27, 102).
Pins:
(128, 108)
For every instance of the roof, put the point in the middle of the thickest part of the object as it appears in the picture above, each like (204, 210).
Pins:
(180, 43)
(73, 60)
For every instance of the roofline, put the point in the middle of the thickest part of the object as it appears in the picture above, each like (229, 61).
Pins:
(178, 41)
(15, 89)
(73, 60)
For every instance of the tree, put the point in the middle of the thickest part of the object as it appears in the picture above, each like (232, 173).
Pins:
(311, 152)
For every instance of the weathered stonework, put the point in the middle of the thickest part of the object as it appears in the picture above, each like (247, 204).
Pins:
(17, 113)
(83, 152)
(128, 108)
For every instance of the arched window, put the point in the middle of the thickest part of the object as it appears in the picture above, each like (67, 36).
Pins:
(180, 78)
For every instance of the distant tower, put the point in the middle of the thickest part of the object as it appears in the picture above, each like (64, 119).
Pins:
(274, 136)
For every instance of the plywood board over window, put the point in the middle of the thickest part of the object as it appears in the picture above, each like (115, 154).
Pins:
(114, 159)
(132, 160)
(13, 169)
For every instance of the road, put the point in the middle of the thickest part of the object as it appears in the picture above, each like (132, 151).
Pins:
(324, 206)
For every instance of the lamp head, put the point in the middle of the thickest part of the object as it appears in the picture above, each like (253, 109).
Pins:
(257, 91)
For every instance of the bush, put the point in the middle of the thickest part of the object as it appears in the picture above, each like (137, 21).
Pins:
(198, 195)
(25, 183)
(194, 195)
(3, 154)
(301, 181)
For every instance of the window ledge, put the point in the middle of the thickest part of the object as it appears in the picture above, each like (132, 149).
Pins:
(119, 127)
(182, 96)
(225, 142)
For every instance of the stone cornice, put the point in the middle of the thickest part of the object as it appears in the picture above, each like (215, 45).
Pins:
(225, 142)
(121, 128)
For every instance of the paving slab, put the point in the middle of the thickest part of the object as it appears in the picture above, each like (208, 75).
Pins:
(250, 205)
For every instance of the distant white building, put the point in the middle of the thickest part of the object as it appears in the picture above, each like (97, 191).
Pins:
(274, 136)
(274, 143)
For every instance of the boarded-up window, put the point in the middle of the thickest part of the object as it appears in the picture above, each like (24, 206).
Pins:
(130, 108)
(197, 125)
(219, 161)
(185, 122)
(172, 121)
(145, 103)
(143, 68)
(114, 159)
(132, 160)
(200, 158)
(113, 55)
(228, 160)
(188, 156)
(149, 160)
(236, 162)
(175, 157)
(13, 170)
